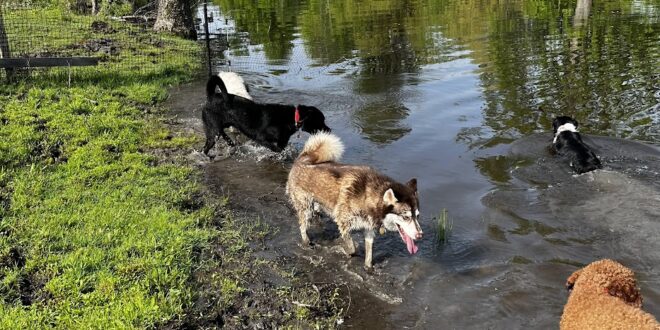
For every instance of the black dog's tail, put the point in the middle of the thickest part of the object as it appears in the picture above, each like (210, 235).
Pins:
(210, 88)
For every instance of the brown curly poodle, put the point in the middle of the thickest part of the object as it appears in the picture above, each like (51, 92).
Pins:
(605, 295)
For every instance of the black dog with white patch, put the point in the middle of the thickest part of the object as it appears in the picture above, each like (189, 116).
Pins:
(270, 125)
(568, 143)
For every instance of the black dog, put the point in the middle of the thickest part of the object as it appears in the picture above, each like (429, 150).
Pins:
(568, 143)
(270, 125)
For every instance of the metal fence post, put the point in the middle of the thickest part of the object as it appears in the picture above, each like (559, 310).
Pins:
(208, 39)
(4, 43)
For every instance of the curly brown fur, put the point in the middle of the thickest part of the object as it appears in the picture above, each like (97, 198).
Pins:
(605, 295)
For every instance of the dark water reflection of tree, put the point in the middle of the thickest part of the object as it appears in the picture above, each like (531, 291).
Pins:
(595, 61)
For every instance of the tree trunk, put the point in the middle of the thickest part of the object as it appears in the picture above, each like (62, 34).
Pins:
(582, 10)
(176, 16)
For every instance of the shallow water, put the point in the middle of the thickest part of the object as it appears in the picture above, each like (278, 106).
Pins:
(461, 95)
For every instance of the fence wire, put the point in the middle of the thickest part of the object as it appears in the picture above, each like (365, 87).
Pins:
(32, 31)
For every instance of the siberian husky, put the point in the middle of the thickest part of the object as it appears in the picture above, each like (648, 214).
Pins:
(356, 197)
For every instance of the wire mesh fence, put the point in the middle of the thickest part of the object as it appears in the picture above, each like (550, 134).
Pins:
(253, 49)
(53, 40)
(39, 39)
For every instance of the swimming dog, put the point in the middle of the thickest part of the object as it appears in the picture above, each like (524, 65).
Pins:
(270, 125)
(356, 197)
(568, 142)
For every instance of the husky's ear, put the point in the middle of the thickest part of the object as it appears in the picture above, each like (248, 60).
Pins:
(412, 184)
(389, 197)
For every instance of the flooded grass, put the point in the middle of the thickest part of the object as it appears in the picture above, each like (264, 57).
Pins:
(444, 226)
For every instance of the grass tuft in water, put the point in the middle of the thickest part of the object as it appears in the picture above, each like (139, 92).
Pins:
(444, 227)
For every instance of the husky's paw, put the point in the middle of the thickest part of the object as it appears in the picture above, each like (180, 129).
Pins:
(369, 269)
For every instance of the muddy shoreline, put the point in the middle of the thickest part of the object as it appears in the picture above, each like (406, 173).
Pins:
(252, 181)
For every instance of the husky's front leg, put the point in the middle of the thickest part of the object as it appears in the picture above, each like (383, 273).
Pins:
(369, 235)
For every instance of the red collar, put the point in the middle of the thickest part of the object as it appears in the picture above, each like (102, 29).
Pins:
(296, 117)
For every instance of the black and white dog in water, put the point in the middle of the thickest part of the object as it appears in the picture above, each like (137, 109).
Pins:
(568, 143)
(270, 125)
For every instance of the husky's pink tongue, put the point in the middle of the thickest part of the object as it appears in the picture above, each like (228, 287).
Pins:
(410, 244)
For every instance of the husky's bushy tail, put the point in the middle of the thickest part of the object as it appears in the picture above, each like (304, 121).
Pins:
(320, 148)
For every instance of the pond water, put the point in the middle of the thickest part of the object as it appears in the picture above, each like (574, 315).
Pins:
(461, 94)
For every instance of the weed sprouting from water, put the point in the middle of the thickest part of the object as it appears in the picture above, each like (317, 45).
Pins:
(444, 227)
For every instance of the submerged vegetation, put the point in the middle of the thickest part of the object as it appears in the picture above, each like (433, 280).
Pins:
(444, 227)
(99, 228)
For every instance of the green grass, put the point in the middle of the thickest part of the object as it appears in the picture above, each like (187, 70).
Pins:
(96, 231)
(124, 50)
(444, 227)
(99, 232)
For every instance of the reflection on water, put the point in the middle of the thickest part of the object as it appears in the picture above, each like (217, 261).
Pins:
(450, 92)
(597, 62)
(380, 123)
